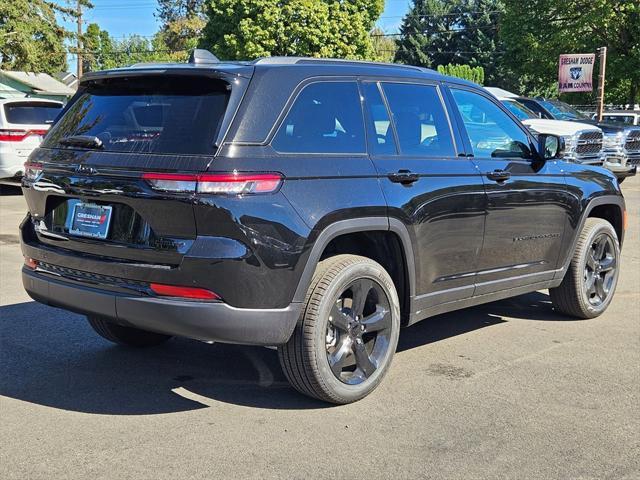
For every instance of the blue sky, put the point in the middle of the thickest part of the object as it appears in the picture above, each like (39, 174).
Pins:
(127, 17)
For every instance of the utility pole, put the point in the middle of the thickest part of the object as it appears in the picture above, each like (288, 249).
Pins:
(603, 63)
(79, 41)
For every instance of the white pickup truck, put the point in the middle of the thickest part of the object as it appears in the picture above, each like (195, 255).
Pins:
(583, 142)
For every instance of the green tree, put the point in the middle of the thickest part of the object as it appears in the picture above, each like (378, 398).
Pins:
(31, 38)
(536, 32)
(182, 23)
(441, 32)
(384, 47)
(246, 29)
(97, 48)
(473, 74)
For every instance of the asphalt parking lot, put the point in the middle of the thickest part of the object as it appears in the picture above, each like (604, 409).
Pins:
(506, 390)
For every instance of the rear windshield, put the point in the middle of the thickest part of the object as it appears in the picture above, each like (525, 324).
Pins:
(31, 113)
(163, 114)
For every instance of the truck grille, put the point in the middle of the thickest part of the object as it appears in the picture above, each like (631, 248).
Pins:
(589, 144)
(633, 141)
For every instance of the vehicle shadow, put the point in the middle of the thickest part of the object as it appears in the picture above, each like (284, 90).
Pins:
(52, 357)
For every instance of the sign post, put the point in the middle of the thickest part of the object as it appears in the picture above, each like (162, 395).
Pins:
(603, 63)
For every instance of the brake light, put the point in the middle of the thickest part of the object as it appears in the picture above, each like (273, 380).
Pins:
(183, 292)
(16, 135)
(216, 183)
(32, 171)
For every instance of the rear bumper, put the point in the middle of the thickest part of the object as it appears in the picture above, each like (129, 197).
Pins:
(11, 164)
(207, 321)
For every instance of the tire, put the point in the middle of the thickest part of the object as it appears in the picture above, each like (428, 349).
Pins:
(346, 336)
(127, 336)
(580, 293)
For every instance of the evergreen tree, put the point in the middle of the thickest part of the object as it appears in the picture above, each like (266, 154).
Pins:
(473, 74)
(31, 38)
(97, 49)
(441, 32)
(182, 24)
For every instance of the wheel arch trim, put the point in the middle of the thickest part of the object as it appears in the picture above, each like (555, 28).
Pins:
(613, 200)
(355, 225)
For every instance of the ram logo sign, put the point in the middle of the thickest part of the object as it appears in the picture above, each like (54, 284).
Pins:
(576, 72)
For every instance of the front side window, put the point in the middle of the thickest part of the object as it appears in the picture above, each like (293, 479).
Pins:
(519, 110)
(535, 108)
(326, 117)
(491, 131)
(420, 120)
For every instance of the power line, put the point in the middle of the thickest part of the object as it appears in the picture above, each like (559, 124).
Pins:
(441, 32)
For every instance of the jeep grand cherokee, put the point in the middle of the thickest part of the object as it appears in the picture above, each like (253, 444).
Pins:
(313, 205)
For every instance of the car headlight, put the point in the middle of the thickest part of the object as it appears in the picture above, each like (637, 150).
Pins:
(570, 144)
(613, 141)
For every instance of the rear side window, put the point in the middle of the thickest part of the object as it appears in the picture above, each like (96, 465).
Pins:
(379, 129)
(326, 117)
(420, 119)
(163, 114)
(31, 113)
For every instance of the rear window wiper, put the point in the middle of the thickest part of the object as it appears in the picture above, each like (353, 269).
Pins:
(86, 141)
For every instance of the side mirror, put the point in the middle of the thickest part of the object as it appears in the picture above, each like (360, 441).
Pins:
(550, 146)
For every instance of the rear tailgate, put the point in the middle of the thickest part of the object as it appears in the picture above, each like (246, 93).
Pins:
(144, 122)
(25, 123)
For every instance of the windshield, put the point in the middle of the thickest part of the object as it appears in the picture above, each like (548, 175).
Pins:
(519, 110)
(31, 113)
(563, 111)
(621, 119)
(158, 114)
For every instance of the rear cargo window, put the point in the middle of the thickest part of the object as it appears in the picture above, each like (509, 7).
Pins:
(163, 114)
(31, 113)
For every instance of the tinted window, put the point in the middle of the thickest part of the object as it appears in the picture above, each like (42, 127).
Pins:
(26, 113)
(519, 110)
(420, 120)
(326, 117)
(491, 131)
(534, 107)
(161, 114)
(623, 119)
(563, 111)
(381, 140)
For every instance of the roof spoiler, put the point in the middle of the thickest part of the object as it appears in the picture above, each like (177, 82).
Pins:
(200, 56)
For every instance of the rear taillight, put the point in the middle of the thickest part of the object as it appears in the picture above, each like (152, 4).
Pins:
(30, 263)
(183, 292)
(17, 135)
(32, 171)
(216, 183)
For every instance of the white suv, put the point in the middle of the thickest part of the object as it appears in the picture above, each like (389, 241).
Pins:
(23, 123)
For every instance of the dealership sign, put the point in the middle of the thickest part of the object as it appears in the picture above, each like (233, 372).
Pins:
(575, 72)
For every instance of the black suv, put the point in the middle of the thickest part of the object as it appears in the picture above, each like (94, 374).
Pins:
(313, 205)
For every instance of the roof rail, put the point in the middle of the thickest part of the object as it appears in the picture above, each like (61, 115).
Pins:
(200, 56)
(311, 60)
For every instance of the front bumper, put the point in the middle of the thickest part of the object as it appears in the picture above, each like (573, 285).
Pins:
(622, 163)
(206, 321)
